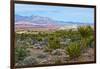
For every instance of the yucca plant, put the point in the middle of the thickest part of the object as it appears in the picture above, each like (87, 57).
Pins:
(91, 41)
(85, 33)
(70, 33)
(73, 50)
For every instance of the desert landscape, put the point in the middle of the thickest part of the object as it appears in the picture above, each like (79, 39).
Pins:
(45, 39)
(53, 44)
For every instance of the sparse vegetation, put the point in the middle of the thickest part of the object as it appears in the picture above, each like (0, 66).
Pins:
(72, 42)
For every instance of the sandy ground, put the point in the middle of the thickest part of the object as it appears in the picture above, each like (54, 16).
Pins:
(50, 59)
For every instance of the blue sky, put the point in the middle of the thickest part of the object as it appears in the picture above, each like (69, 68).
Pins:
(58, 13)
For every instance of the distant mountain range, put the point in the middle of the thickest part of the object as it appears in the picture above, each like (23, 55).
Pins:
(41, 23)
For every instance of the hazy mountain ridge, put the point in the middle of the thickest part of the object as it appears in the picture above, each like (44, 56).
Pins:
(39, 22)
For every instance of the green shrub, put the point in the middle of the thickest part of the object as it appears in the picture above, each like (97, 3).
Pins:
(54, 44)
(73, 50)
(20, 53)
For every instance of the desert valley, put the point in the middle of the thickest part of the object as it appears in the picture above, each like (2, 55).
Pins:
(42, 41)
